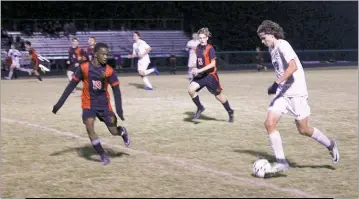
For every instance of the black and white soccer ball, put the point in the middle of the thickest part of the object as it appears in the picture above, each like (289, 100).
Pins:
(260, 167)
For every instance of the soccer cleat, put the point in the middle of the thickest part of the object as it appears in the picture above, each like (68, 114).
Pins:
(104, 159)
(156, 71)
(198, 113)
(281, 165)
(8, 78)
(125, 137)
(334, 152)
(231, 116)
(148, 88)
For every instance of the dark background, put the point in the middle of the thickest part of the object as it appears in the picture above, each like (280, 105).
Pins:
(308, 25)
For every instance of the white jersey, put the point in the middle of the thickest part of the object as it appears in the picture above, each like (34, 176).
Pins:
(15, 56)
(192, 45)
(281, 55)
(140, 47)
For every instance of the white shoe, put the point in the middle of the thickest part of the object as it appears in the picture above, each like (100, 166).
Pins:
(335, 152)
(7, 78)
(278, 166)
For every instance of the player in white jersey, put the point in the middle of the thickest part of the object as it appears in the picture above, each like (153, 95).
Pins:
(141, 50)
(192, 58)
(290, 95)
(15, 56)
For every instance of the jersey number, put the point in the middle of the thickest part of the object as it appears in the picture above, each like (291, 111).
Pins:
(200, 61)
(96, 85)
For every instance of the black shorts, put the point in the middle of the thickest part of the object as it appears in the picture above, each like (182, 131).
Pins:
(211, 82)
(104, 115)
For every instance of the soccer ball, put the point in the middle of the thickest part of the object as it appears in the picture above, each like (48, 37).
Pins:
(260, 167)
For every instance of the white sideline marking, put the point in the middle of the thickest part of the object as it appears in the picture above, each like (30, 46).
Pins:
(172, 160)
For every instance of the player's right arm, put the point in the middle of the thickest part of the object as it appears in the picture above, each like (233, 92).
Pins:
(76, 78)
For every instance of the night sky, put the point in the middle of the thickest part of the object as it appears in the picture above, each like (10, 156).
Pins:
(308, 25)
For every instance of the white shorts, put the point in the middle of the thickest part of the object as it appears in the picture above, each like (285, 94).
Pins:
(296, 107)
(192, 62)
(16, 65)
(142, 66)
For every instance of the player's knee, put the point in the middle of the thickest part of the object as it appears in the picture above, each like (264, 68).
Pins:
(270, 125)
(304, 130)
(191, 91)
(141, 73)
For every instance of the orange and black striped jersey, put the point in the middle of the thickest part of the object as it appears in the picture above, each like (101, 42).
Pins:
(95, 81)
(205, 55)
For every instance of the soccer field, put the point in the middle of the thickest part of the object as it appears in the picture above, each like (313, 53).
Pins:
(47, 155)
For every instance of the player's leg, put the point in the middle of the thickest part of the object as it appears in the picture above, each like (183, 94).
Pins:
(36, 73)
(110, 119)
(147, 71)
(193, 89)
(302, 122)
(11, 71)
(141, 71)
(88, 117)
(214, 86)
(69, 74)
(276, 109)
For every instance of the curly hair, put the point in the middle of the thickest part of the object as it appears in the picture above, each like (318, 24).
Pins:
(270, 27)
(204, 31)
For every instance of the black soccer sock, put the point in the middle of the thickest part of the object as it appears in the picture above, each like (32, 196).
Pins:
(227, 107)
(119, 130)
(197, 102)
(96, 143)
(39, 77)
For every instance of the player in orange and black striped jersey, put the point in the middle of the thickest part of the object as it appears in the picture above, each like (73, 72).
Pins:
(76, 57)
(34, 60)
(205, 75)
(89, 51)
(96, 75)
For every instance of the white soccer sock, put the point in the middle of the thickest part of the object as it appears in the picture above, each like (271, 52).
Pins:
(149, 71)
(147, 82)
(276, 143)
(321, 138)
(10, 74)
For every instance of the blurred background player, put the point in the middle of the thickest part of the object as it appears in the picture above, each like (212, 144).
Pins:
(15, 56)
(89, 51)
(34, 60)
(141, 50)
(259, 60)
(76, 57)
(205, 75)
(291, 95)
(96, 75)
(190, 47)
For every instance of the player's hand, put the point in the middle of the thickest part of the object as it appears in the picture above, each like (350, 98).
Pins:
(130, 56)
(120, 114)
(273, 88)
(77, 64)
(68, 62)
(55, 108)
(194, 71)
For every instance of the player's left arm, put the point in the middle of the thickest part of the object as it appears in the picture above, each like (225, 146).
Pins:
(212, 58)
(76, 78)
(289, 55)
(115, 85)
